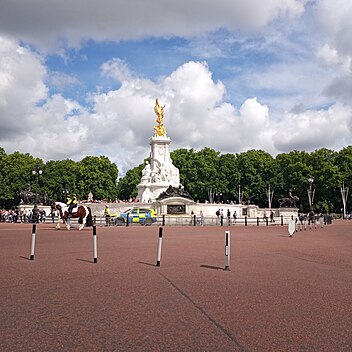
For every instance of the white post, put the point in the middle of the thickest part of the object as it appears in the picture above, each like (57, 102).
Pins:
(33, 241)
(227, 250)
(95, 247)
(344, 195)
(270, 194)
(160, 240)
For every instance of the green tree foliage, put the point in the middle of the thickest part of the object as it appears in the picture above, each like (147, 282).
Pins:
(327, 179)
(16, 175)
(293, 171)
(59, 176)
(95, 174)
(256, 173)
(198, 170)
(201, 172)
(127, 186)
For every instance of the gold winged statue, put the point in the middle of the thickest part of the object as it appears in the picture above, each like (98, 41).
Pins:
(159, 129)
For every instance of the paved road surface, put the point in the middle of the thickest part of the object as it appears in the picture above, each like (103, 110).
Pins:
(282, 293)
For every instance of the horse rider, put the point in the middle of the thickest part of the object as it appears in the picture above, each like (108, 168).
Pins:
(71, 203)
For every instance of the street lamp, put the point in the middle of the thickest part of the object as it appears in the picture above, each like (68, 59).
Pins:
(311, 192)
(240, 194)
(344, 195)
(36, 172)
(65, 193)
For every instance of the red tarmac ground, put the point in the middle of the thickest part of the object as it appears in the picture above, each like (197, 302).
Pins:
(282, 293)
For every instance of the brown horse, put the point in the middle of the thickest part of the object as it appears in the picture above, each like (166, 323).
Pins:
(82, 212)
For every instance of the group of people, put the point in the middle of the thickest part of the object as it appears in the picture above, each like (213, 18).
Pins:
(230, 219)
(271, 216)
(16, 215)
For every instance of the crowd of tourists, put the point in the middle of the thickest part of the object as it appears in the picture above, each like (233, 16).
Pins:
(16, 215)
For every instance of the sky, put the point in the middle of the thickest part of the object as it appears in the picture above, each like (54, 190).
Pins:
(80, 77)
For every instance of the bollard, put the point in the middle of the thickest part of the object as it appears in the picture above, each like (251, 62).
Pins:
(95, 249)
(127, 220)
(194, 220)
(267, 221)
(245, 220)
(163, 223)
(227, 250)
(222, 221)
(160, 240)
(257, 221)
(34, 227)
(282, 220)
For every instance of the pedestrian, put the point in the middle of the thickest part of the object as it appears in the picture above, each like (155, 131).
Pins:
(217, 213)
(107, 215)
(234, 217)
(321, 220)
(201, 218)
(228, 217)
(272, 216)
(301, 220)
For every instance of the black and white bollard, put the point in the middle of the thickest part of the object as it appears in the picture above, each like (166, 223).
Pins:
(160, 240)
(34, 227)
(227, 250)
(95, 247)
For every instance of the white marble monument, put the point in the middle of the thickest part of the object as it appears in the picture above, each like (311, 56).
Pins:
(160, 173)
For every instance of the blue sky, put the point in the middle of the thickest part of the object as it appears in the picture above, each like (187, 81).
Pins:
(80, 77)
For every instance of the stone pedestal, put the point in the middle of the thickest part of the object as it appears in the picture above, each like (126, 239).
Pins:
(160, 173)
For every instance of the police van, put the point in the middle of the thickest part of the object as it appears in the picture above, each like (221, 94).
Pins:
(143, 216)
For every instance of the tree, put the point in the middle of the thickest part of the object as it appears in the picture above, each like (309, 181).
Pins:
(327, 179)
(16, 175)
(127, 186)
(227, 177)
(99, 176)
(294, 170)
(255, 170)
(58, 176)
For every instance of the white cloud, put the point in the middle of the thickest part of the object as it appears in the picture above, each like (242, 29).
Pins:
(52, 24)
(60, 80)
(334, 17)
(121, 121)
(117, 69)
(310, 130)
(21, 86)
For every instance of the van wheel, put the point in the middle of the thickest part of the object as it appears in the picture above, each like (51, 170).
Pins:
(148, 221)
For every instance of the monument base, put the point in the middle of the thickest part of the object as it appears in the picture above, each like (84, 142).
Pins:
(149, 192)
(160, 173)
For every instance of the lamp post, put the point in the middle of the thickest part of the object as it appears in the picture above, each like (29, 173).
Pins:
(311, 192)
(239, 195)
(36, 172)
(219, 195)
(65, 193)
(344, 195)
